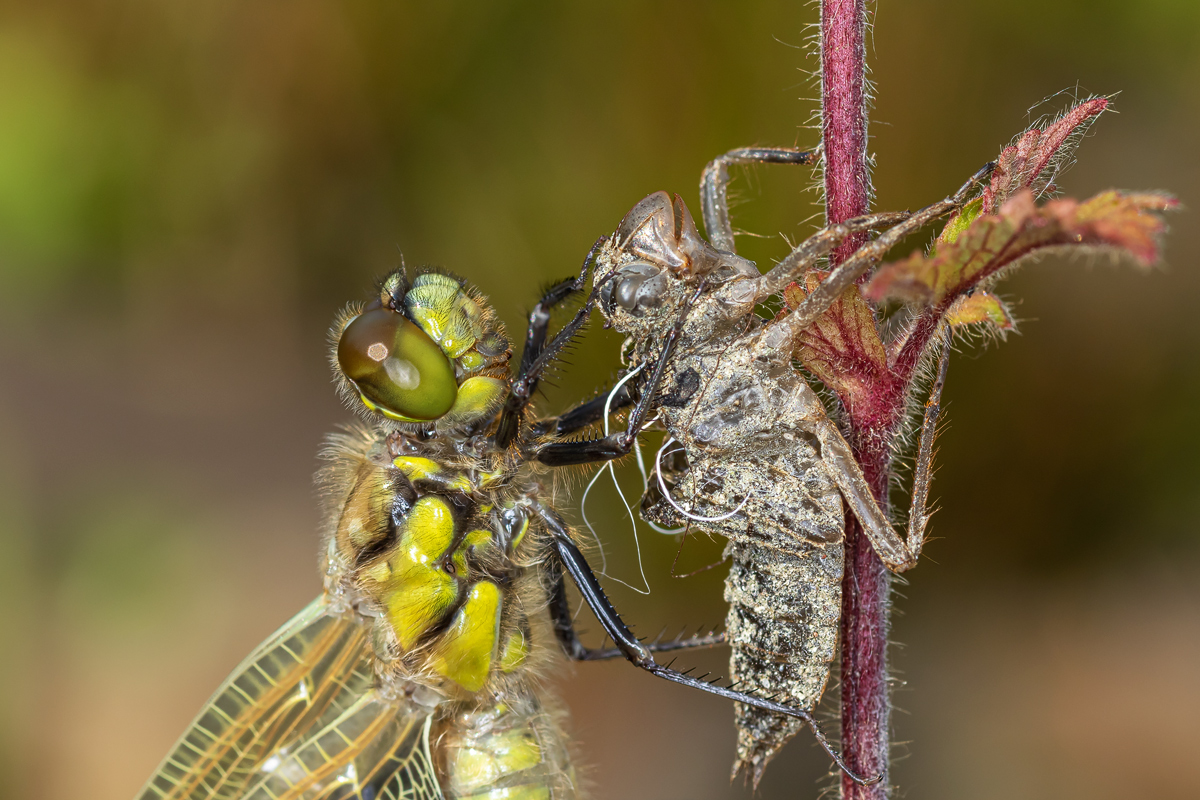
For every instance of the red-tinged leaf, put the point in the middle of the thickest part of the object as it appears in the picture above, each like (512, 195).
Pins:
(1038, 155)
(842, 348)
(1117, 219)
(1123, 222)
(980, 308)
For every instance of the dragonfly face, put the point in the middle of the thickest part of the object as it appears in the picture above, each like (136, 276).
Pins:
(426, 352)
(661, 274)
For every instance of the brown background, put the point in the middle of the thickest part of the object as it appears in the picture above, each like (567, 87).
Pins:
(189, 191)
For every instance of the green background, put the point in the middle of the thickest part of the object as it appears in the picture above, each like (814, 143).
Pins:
(189, 192)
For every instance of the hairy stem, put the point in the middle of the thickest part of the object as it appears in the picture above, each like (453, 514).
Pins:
(844, 115)
(866, 710)
(865, 588)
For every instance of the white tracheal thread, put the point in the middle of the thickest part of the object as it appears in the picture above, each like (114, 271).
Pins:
(662, 485)
(645, 487)
(612, 471)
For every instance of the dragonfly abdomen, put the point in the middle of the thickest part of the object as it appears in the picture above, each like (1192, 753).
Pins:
(782, 627)
(783, 519)
(509, 748)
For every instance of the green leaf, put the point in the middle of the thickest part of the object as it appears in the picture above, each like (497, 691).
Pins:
(980, 308)
(961, 220)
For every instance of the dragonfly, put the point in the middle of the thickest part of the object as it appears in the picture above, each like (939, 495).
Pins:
(751, 453)
(416, 673)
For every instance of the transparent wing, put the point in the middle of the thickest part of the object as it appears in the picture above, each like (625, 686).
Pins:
(374, 749)
(300, 718)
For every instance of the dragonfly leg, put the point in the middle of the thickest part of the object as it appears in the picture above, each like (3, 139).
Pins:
(587, 413)
(568, 639)
(575, 565)
(846, 273)
(618, 445)
(715, 181)
(898, 554)
(537, 354)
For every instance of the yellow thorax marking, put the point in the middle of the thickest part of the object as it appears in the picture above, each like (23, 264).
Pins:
(516, 540)
(417, 591)
(486, 479)
(477, 542)
(465, 651)
(418, 469)
(415, 468)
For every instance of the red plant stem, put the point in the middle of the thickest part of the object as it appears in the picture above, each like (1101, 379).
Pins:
(844, 115)
(909, 357)
(866, 585)
(866, 710)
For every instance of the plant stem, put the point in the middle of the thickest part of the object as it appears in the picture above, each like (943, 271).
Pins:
(844, 115)
(866, 585)
(866, 710)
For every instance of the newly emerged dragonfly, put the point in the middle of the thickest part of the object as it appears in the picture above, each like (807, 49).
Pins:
(755, 459)
(415, 674)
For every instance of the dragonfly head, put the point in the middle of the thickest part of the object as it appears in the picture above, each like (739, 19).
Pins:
(661, 230)
(655, 260)
(422, 351)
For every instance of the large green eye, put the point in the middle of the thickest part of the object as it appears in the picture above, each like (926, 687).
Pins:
(398, 370)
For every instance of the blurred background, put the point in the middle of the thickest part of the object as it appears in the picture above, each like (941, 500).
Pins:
(189, 192)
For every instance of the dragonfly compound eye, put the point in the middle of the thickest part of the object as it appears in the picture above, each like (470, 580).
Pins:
(637, 286)
(398, 370)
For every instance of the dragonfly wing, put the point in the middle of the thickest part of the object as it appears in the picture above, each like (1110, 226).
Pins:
(376, 749)
(311, 668)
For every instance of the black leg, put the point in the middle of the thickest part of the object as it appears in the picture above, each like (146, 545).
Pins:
(564, 628)
(535, 343)
(532, 366)
(566, 454)
(576, 566)
(618, 445)
(585, 414)
(539, 321)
